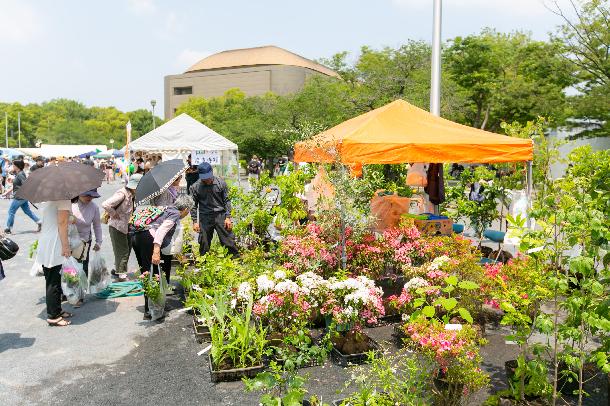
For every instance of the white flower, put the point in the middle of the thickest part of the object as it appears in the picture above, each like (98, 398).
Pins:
(244, 291)
(415, 283)
(279, 274)
(264, 284)
(438, 262)
(287, 286)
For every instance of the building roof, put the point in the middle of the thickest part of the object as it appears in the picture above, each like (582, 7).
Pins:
(267, 55)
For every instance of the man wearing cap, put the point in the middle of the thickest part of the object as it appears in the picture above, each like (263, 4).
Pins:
(39, 164)
(212, 203)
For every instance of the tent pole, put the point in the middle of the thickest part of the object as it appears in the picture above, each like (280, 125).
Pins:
(530, 189)
(238, 168)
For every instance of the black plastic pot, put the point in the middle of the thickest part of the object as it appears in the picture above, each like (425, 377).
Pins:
(235, 374)
(202, 333)
(354, 359)
(391, 285)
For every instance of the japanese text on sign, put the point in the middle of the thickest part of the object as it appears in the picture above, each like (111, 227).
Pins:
(211, 157)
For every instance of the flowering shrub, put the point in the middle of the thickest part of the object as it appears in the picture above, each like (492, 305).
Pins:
(283, 304)
(403, 303)
(307, 250)
(455, 352)
(353, 301)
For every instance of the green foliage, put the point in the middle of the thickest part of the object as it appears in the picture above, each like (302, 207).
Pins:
(508, 75)
(585, 37)
(480, 214)
(62, 121)
(236, 342)
(389, 380)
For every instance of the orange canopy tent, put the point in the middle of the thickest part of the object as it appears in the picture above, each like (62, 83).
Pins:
(400, 132)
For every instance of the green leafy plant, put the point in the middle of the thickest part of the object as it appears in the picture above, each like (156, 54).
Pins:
(389, 380)
(236, 342)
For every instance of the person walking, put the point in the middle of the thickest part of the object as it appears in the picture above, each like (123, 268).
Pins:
(212, 204)
(191, 175)
(53, 250)
(254, 170)
(87, 215)
(165, 199)
(16, 204)
(5, 165)
(119, 208)
(148, 242)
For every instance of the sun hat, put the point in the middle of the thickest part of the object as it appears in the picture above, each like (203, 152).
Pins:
(93, 193)
(205, 171)
(133, 181)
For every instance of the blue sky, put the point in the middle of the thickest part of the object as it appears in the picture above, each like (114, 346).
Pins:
(116, 52)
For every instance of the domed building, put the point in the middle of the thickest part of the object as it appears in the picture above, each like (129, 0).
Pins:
(255, 71)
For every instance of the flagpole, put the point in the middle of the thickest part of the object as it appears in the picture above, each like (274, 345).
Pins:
(128, 135)
(19, 128)
(6, 127)
(435, 80)
(435, 85)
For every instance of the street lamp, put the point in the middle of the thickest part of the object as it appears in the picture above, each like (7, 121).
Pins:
(111, 143)
(153, 103)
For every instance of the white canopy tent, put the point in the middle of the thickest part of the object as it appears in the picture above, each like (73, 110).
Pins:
(52, 150)
(182, 136)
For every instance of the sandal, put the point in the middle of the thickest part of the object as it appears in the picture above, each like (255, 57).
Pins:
(66, 315)
(78, 304)
(60, 322)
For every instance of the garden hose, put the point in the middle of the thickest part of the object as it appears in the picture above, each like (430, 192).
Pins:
(121, 289)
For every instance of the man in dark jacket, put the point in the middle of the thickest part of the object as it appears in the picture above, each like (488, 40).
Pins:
(213, 206)
(39, 164)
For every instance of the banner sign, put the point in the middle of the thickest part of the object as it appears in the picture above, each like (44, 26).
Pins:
(211, 157)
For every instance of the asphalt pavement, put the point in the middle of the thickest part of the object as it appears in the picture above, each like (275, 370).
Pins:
(110, 356)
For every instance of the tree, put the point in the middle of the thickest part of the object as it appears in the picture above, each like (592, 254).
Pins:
(586, 45)
(508, 77)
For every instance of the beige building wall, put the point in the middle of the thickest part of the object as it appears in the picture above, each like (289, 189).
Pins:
(253, 81)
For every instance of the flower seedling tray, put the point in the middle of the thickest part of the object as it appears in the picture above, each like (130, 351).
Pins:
(228, 375)
(354, 359)
(202, 332)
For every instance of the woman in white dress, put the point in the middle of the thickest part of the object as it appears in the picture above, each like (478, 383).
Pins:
(53, 249)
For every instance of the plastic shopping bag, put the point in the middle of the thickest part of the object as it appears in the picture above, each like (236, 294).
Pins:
(73, 280)
(175, 246)
(99, 276)
(156, 305)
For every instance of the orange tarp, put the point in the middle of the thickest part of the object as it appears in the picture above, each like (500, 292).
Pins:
(400, 132)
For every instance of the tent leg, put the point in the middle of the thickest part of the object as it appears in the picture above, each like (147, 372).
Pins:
(238, 168)
(530, 189)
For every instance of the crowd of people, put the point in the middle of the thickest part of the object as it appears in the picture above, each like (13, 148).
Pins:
(206, 200)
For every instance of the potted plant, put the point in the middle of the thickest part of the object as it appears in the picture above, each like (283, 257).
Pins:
(455, 355)
(398, 379)
(350, 303)
(281, 386)
(237, 346)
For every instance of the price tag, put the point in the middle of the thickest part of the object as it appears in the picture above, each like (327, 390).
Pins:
(211, 157)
